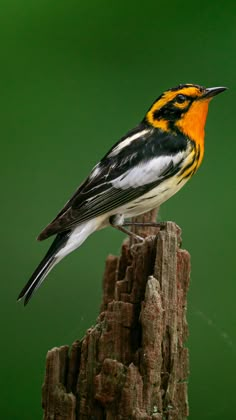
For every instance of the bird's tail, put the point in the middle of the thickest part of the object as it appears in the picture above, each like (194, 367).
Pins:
(63, 244)
(47, 263)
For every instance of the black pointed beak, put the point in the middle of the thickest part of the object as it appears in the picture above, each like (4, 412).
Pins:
(210, 92)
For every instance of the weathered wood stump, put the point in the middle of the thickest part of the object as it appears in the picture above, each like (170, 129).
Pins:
(133, 363)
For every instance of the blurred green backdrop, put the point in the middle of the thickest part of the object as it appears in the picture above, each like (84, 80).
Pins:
(75, 76)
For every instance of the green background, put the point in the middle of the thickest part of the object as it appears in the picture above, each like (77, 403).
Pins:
(75, 76)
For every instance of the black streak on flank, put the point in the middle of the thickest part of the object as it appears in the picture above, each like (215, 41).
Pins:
(131, 207)
(198, 153)
(149, 198)
(189, 175)
(190, 164)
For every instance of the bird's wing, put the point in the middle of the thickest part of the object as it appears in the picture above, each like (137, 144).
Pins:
(136, 164)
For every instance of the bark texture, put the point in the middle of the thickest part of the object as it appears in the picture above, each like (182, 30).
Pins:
(133, 363)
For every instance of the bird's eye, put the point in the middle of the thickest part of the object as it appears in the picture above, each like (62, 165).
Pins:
(181, 99)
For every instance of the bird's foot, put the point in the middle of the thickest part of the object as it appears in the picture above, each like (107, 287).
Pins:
(129, 233)
(159, 225)
(120, 227)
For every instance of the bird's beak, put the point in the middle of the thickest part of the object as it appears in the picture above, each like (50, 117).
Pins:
(210, 92)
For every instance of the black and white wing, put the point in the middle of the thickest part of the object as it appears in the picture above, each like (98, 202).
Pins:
(137, 163)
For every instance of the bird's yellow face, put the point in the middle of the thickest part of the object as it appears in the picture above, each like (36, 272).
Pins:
(183, 109)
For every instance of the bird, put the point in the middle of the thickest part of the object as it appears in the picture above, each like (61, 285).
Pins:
(147, 166)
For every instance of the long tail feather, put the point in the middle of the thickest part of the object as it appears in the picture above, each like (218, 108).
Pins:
(48, 262)
(63, 244)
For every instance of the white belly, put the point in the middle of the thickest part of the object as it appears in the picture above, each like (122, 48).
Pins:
(152, 199)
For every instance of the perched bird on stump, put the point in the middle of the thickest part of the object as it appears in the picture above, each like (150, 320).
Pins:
(141, 171)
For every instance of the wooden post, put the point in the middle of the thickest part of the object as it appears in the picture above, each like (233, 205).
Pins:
(133, 363)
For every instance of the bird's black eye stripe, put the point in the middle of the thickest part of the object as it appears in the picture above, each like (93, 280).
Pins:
(181, 98)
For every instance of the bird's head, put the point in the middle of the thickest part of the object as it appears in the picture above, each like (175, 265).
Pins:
(183, 109)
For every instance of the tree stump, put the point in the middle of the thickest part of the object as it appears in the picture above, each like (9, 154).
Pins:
(133, 363)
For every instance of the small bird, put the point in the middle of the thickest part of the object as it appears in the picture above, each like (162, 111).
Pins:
(142, 170)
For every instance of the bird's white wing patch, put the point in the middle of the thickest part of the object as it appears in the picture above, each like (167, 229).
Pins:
(147, 172)
(95, 172)
(127, 141)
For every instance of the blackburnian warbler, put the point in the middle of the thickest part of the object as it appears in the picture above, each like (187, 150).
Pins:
(141, 171)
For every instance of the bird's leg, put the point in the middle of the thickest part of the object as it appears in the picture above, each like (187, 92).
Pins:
(129, 233)
(117, 222)
(151, 224)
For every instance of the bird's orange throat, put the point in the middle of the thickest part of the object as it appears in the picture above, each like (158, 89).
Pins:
(192, 124)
